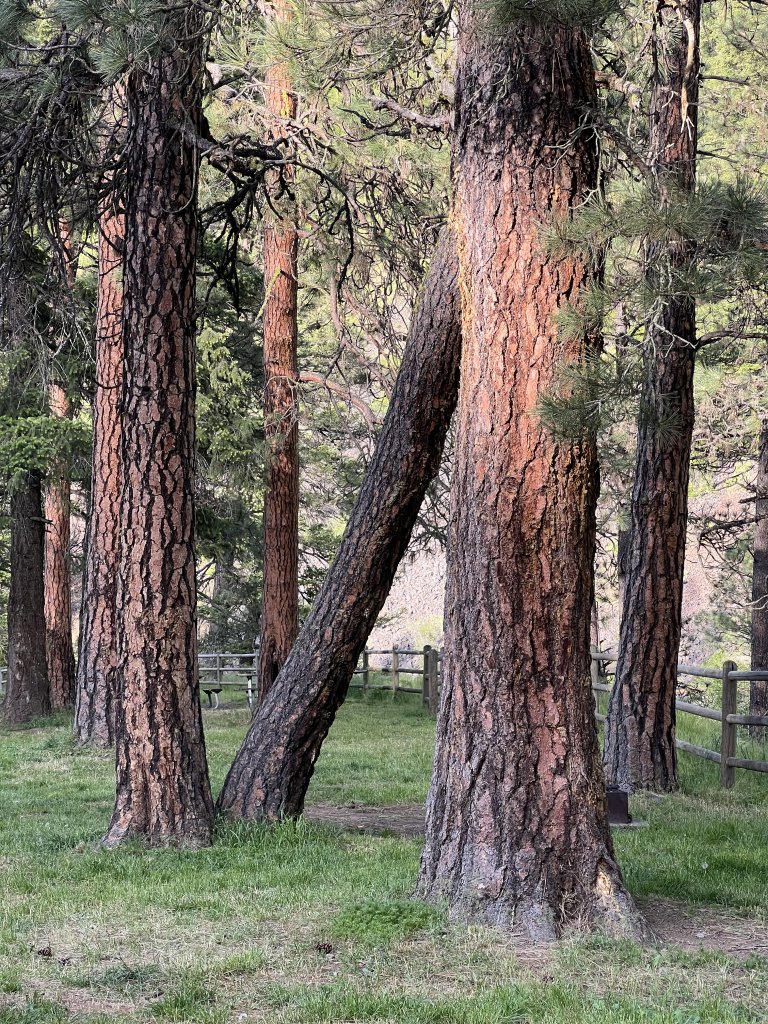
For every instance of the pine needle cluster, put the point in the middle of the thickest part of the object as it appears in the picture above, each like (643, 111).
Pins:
(577, 13)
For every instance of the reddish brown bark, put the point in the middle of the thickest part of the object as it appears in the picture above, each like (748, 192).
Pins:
(270, 775)
(517, 826)
(280, 600)
(27, 690)
(640, 731)
(97, 663)
(758, 692)
(163, 793)
(58, 571)
(58, 575)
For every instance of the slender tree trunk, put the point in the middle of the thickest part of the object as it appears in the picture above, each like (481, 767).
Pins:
(58, 576)
(27, 692)
(640, 731)
(97, 663)
(58, 572)
(758, 693)
(280, 600)
(517, 827)
(272, 770)
(622, 559)
(163, 793)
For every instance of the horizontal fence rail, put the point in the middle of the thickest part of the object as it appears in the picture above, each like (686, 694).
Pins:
(219, 671)
(727, 714)
(430, 671)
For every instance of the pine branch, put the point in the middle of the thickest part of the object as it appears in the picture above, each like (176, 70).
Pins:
(435, 124)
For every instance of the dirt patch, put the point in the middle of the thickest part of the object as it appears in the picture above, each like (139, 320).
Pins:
(714, 928)
(674, 924)
(398, 820)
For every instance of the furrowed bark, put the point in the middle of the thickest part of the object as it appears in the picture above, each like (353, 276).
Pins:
(517, 830)
(27, 689)
(758, 690)
(163, 793)
(271, 772)
(97, 662)
(640, 731)
(57, 578)
(280, 598)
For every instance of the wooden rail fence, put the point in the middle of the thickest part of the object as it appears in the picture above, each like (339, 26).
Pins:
(727, 714)
(429, 671)
(223, 670)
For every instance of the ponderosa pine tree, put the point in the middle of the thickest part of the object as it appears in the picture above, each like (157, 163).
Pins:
(517, 825)
(58, 571)
(758, 693)
(280, 590)
(640, 731)
(97, 661)
(27, 689)
(163, 793)
(272, 770)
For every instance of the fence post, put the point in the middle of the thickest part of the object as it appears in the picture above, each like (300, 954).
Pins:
(366, 670)
(218, 670)
(395, 670)
(434, 680)
(425, 677)
(594, 667)
(728, 733)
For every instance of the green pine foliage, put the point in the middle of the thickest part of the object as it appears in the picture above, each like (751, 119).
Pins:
(586, 13)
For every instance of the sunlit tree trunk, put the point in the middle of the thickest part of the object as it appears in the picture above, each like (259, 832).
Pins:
(758, 694)
(58, 571)
(280, 602)
(58, 578)
(163, 793)
(271, 772)
(640, 731)
(517, 829)
(97, 662)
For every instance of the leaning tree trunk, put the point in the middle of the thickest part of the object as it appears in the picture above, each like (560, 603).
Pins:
(27, 689)
(271, 773)
(640, 730)
(517, 825)
(280, 595)
(758, 693)
(97, 662)
(163, 793)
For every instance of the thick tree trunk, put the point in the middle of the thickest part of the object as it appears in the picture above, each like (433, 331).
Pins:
(517, 827)
(163, 793)
(58, 576)
(272, 770)
(280, 598)
(640, 731)
(758, 693)
(27, 689)
(97, 663)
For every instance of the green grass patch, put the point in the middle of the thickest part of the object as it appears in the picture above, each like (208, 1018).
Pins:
(378, 922)
(143, 935)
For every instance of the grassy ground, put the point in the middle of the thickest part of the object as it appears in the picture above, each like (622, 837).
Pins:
(307, 924)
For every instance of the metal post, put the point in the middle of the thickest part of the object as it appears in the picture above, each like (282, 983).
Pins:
(366, 671)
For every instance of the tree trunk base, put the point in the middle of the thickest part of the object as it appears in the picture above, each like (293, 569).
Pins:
(606, 907)
(185, 836)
